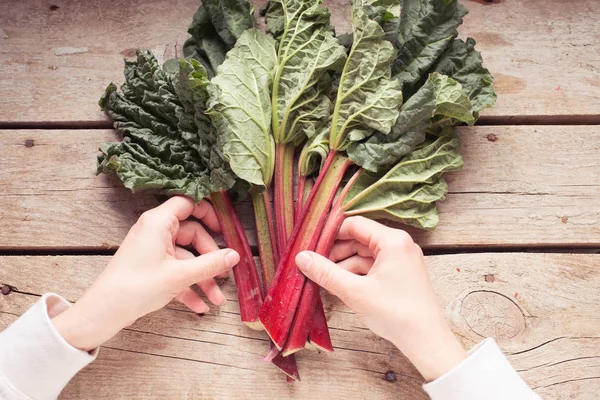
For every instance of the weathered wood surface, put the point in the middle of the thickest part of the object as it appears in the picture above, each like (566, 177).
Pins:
(541, 308)
(524, 186)
(543, 54)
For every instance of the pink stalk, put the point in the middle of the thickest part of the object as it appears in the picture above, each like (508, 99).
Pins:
(303, 323)
(269, 257)
(282, 299)
(245, 273)
(300, 196)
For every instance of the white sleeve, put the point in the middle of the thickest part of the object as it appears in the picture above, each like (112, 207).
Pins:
(35, 361)
(485, 374)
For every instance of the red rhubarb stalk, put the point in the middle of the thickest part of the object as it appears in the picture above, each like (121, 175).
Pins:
(282, 299)
(300, 196)
(319, 331)
(269, 257)
(304, 320)
(245, 273)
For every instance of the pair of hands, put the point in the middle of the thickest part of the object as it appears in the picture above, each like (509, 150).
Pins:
(379, 272)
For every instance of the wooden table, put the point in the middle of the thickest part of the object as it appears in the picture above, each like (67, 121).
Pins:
(513, 258)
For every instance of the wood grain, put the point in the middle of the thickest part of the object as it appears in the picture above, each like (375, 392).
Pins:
(530, 186)
(543, 54)
(541, 308)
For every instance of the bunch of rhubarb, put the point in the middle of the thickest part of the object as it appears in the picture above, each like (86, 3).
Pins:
(363, 121)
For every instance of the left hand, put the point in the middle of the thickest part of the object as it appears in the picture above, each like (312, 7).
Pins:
(148, 271)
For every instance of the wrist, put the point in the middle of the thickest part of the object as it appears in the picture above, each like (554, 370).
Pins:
(85, 326)
(433, 348)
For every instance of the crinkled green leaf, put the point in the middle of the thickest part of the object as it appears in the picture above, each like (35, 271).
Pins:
(307, 52)
(214, 29)
(230, 18)
(425, 29)
(417, 208)
(409, 190)
(240, 107)
(380, 11)
(440, 98)
(274, 18)
(313, 154)
(464, 64)
(165, 146)
(367, 98)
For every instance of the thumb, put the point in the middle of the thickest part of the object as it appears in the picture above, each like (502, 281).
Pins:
(207, 265)
(327, 274)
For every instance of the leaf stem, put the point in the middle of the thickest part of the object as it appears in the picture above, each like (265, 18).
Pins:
(265, 233)
(284, 193)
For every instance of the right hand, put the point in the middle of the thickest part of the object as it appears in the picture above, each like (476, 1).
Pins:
(380, 273)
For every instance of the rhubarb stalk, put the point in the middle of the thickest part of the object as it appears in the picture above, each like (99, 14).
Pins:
(265, 234)
(282, 299)
(319, 333)
(284, 193)
(307, 316)
(245, 273)
(268, 259)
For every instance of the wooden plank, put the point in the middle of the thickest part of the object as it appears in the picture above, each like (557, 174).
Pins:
(544, 54)
(532, 186)
(541, 308)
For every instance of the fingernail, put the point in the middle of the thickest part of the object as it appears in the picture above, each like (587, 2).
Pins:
(204, 309)
(304, 261)
(232, 258)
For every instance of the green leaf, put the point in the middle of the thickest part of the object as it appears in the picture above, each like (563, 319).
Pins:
(215, 27)
(240, 107)
(440, 98)
(274, 18)
(367, 98)
(417, 208)
(408, 191)
(307, 52)
(464, 64)
(230, 18)
(314, 152)
(425, 29)
(167, 146)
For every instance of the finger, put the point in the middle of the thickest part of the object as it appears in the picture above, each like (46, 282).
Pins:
(375, 235)
(343, 249)
(178, 206)
(206, 266)
(192, 301)
(357, 264)
(327, 274)
(212, 291)
(183, 254)
(205, 212)
(193, 233)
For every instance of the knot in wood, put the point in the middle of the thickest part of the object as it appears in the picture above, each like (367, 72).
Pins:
(491, 314)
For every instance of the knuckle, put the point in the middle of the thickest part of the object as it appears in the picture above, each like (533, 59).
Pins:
(148, 218)
(326, 277)
(403, 240)
(211, 267)
(418, 250)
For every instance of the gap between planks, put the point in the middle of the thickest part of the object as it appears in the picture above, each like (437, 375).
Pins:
(489, 120)
(435, 251)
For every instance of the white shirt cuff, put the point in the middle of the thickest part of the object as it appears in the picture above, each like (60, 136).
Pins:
(36, 362)
(485, 374)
